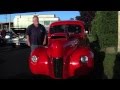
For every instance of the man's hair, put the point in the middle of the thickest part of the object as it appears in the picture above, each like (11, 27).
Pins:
(35, 16)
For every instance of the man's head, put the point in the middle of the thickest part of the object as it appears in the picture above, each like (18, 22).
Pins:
(35, 20)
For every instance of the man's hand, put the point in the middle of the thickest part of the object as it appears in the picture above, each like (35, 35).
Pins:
(44, 42)
(28, 41)
(28, 44)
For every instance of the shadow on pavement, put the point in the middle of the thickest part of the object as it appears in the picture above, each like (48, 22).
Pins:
(116, 68)
(99, 56)
(29, 76)
(98, 71)
(2, 61)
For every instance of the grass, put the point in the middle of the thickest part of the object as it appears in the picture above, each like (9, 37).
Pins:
(91, 38)
(108, 65)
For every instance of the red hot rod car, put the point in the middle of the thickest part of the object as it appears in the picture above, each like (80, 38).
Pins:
(67, 53)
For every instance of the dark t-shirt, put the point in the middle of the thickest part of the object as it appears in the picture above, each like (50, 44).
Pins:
(36, 34)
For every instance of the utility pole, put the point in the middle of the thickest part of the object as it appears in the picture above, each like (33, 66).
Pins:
(118, 31)
(5, 26)
(9, 22)
(6, 18)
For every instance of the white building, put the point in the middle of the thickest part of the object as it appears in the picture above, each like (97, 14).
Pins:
(23, 21)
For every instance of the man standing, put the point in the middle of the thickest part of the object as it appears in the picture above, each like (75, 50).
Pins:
(36, 34)
(3, 33)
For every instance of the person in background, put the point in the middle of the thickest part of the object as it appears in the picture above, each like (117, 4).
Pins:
(36, 34)
(3, 33)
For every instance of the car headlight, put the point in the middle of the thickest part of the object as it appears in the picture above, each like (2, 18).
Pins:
(84, 59)
(7, 37)
(34, 58)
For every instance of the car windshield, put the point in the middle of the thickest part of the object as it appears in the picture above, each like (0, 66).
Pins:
(65, 28)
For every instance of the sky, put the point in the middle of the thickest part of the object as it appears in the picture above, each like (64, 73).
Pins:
(64, 15)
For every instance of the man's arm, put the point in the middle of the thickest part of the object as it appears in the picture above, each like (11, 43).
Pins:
(45, 37)
(44, 42)
(28, 40)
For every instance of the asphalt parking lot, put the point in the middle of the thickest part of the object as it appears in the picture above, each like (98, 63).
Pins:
(14, 62)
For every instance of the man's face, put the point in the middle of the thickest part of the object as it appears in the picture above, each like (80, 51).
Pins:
(35, 21)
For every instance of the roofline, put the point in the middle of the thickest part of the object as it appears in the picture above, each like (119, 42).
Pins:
(5, 22)
(67, 21)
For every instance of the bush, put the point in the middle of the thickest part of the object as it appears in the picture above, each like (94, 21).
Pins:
(105, 26)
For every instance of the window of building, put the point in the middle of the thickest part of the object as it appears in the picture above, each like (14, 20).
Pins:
(42, 22)
(46, 22)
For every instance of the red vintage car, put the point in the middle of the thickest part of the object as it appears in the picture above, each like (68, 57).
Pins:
(67, 54)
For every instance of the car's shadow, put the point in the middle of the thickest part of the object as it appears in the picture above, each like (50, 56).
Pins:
(98, 71)
(29, 75)
(116, 68)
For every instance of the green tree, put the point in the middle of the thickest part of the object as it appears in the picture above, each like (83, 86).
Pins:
(105, 26)
(87, 17)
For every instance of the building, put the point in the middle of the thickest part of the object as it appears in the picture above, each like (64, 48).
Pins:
(5, 26)
(118, 31)
(23, 21)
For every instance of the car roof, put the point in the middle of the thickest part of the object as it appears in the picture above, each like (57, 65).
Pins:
(68, 22)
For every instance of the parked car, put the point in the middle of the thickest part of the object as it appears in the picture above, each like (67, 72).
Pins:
(67, 54)
(16, 38)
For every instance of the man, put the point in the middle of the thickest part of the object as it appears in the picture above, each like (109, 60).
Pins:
(36, 34)
(3, 33)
